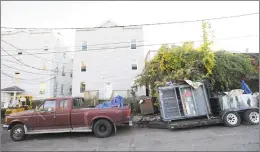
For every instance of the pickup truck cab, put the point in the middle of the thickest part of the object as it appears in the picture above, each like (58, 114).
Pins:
(57, 115)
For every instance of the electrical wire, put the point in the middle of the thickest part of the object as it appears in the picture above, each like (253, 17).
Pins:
(26, 66)
(20, 78)
(121, 47)
(78, 46)
(31, 54)
(147, 24)
(23, 70)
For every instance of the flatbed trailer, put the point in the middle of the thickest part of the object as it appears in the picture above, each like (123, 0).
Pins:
(182, 106)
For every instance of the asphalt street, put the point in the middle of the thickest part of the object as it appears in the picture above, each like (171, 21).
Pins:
(217, 138)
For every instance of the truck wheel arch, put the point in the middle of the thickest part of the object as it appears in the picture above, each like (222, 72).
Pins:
(13, 124)
(98, 118)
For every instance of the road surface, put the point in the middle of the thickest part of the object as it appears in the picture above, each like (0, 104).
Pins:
(217, 138)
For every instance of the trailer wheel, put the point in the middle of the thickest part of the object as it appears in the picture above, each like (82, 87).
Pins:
(17, 133)
(102, 128)
(252, 116)
(232, 119)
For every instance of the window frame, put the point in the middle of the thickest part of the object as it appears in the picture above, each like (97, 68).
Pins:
(133, 43)
(63, 103)
(42, 105)
(84, 45)
(81, 65)
(81, 89)
(134, 62)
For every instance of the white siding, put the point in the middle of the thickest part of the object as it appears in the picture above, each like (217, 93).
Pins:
(107, 65)
(34, 43)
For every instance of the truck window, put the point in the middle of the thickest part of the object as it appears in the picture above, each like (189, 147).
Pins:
(48, 104)
(78, 103)
(63, 104)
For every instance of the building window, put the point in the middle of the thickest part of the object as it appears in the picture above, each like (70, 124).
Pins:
(82, 87)
(17, 77)
(20, 53)
(71, 74)
(63, 103)
(83, 66)
(133, 44)
(61, 89)
(70, 89)
(42, 88)
(46, 48)
(84, 45)
(63, 70)
(44, 66)
(134, 64)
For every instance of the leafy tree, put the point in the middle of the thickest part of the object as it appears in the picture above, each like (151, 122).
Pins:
(230, 69)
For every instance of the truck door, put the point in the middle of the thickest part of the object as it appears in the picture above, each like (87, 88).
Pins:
(63, 114)
(46, 115)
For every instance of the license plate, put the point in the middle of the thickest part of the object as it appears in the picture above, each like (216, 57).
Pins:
(130, 123)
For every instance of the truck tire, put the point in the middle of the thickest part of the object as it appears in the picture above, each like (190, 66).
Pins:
(232, 119)
(251, 116)
(102, 128)
(17, 132)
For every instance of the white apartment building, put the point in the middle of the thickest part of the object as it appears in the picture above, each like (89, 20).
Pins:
(107, 60)
(34, 62)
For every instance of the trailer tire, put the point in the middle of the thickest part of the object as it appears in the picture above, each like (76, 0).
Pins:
(102, 128)
(232, 119)
(251, 116)
(17, 132)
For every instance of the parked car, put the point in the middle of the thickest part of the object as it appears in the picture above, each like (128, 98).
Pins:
(57, 115)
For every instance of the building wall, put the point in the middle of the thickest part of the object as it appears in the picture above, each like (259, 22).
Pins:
(33, 42)
(107, 63)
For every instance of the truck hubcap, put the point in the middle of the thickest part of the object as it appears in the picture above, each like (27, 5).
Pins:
(17, 133)
(254, 117)
(102, 128)
(232, 119)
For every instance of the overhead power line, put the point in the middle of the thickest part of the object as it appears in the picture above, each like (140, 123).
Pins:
(23, 70)
(22, 78)
(26, 64)
(147, 24)
(121, 47)
(31, 53)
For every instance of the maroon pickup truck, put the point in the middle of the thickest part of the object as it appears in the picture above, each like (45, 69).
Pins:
(57, 115)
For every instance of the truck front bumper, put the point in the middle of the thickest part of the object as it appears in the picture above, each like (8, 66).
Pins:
(5, 127)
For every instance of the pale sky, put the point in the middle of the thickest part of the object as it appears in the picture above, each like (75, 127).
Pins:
(88, 14)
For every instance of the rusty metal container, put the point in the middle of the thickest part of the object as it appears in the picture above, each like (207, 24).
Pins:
(146, 106)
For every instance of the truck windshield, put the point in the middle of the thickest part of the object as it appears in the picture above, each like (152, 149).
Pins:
(78, 103)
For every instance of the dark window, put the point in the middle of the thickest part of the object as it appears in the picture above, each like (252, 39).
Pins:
(134, 64)
(20, 53)
(84, 45)
(78, 103)
(63, 70)
(82, 87)
(83, 66)
(133, 44)
(46, 48)
(71, 75)
(49, 104)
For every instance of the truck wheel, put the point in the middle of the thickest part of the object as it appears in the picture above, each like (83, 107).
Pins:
(252, 116)
(102, 128)
(232, 119)
(17, 133)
